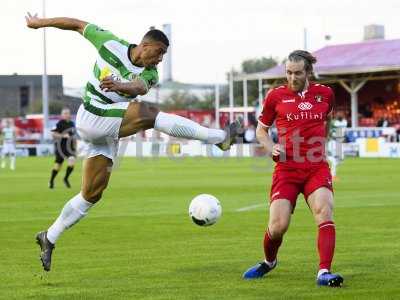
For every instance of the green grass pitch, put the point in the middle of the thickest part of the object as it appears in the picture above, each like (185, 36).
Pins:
(139, 243)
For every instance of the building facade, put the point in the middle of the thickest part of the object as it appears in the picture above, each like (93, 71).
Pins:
(22, 94)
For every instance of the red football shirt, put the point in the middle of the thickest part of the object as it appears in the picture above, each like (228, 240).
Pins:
(301, 121)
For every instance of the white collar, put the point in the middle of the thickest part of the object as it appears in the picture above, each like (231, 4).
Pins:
(302, 94)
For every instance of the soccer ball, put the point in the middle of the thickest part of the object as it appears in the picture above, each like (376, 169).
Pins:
(205, 210)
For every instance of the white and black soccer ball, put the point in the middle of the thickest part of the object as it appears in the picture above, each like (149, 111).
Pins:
(205, 210)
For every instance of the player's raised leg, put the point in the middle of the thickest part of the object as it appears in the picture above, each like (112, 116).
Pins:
(321, 205)
(96, 173)
(142, 116)
(279, 218)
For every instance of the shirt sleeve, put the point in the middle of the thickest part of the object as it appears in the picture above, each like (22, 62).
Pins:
(57, 127)
(98, 36)
(149, 76)
(268, 114)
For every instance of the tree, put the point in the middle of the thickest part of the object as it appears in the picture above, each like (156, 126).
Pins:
(249, 66)
(182, 100)
(255, 65)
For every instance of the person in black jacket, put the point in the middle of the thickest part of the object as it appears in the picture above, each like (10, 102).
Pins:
(64, 147)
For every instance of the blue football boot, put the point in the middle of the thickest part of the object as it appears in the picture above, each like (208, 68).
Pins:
(329, 279)
(258, 271)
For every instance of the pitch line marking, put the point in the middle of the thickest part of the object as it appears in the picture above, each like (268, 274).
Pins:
(256, 206)
(250, 207)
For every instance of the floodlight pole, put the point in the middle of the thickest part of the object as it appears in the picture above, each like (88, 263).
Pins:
(305, 37)
(260, 92)
(231, 104)
(45, 84)
(217, 105)
(245, 103)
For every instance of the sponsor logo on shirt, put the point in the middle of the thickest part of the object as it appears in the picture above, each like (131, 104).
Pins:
(288, 101)
(304, 115)
(305, 106)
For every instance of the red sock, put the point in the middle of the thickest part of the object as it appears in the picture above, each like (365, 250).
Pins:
(326, 244)
(271, 247)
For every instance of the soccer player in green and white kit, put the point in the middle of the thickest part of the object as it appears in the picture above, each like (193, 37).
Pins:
(8, 150)
(122, 71)
(335, 143)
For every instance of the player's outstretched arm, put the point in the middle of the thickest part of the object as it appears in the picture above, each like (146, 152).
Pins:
(133, 88)
(33, 21)
(57, 135)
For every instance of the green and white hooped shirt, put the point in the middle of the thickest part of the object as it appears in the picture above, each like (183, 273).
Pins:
(8, 135)
(113, 60)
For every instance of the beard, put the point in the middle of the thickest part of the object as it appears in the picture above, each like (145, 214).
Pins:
(296, 86)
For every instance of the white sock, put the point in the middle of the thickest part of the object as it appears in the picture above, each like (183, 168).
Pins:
(74, 210)
(333, 167)
(3, 162)
(333, 162)
(181, 127)
(12, 162)
(270, 264)
(322, 271)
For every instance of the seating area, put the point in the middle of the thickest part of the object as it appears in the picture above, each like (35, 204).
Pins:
(389, 110)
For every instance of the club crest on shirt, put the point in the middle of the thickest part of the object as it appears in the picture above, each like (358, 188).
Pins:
(318, 98)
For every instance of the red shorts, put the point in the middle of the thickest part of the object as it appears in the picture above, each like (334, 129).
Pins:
(288, 181)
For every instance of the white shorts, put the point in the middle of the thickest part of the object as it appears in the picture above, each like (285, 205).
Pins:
(8, 149)
(98, 126)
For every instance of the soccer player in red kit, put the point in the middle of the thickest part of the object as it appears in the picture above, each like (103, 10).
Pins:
(301, 111)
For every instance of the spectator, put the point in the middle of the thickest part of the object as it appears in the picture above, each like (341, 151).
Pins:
(340, 121)
(366, 110)
(383, 122)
